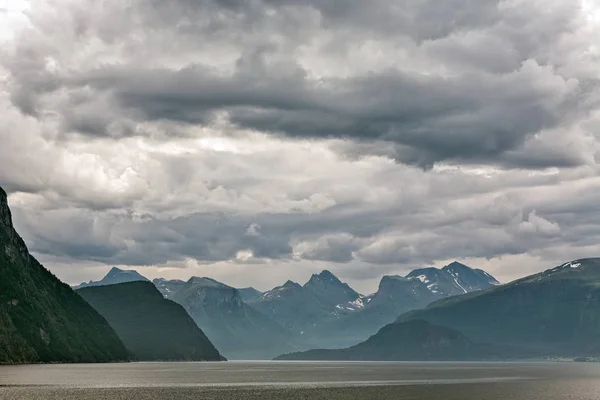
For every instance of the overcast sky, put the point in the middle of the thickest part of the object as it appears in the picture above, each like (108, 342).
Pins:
(258, 140)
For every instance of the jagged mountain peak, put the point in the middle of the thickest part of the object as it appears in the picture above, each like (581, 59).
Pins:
(206, 282)
(330, 291)
(392, 279)
(291, 284)
(324, 275)
(115, 272)
(453, 279)
(237, 329)
(115, 276)
(457, 266)
(551, 312)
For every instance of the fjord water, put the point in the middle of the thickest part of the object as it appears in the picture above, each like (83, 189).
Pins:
(303, 380)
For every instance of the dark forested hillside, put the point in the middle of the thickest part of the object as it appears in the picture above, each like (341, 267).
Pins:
(41, 318)
(152, 327)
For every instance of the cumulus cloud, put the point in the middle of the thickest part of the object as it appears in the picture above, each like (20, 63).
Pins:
(366, 134)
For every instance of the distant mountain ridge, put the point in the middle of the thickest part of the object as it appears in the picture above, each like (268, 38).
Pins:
(555, 312)
(299, 308)
(328, 289)
(324, 312)
(454, 279)
(114, 276)
(41, 318)
(237, 329)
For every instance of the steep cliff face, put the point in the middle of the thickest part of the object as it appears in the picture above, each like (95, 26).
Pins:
(41, 318)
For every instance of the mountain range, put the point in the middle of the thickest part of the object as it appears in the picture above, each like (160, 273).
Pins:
(327, 313)
(324, 312)
(302, 308)
(555, 313)
(238, 330)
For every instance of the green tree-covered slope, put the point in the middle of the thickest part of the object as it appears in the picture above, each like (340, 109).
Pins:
(41, 318)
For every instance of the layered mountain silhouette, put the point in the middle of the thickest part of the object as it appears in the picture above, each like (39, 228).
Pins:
(328, 313)
(556, 312)
(302, 308)
(551, 314)
(397, 295)
(329, 290)
(324, 312)
(151, 327)
(41, 318)
(114, 276)
(454, 279)
(237, 329)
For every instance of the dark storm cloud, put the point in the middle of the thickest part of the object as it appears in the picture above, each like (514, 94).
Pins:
(338, 235)
(474, 117)
(421, 20)
(465, 115)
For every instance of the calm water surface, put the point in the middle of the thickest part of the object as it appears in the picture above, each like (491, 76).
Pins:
(303, 380)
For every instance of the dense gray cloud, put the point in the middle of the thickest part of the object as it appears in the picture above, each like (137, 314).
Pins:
(436, 103)
(367, 137)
